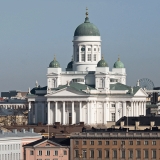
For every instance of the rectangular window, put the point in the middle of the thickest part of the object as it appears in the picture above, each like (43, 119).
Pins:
(130, 153)
(31, 152)
(56, 153)
(114, 153)
(107, 153)
(92, 143)
(130, 142)
(107, 142)
(40, 153)
(95, 57)
(138, 153)
(153, 142)
(94, 49)
(113, 117)
(89, 57)
(89, 49)
(48, 153)
(84, 142)
(65, 152)
(114, 142)
(122, 142)
(153, 153)
(145, 142)
(99, 142)
(146, 153)
(84, 154)
(99, 153)
(76, 142)
(76, 153)
(138, 142)
(82, 57)
(123, 153)
(91, 153)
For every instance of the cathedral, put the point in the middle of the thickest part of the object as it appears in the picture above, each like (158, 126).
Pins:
(88, 90)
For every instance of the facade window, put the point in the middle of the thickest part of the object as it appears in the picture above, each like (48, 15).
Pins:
(101, 83)
(89, 49)
(113, 105)
(138, 153)
(153, 142)
(146, 155)
(95, 57)
(84, 143)
(83, 57)
(130, 142)
(76, 142)
(107, 153)
(113, 117)
(153, 153)
(92, 143)
(65, 152)
(56, 153)
(77, 57)
(94, 49)
(78, 49)
(40, 153)
(99, 142)
(84, 154)
(76, 153)
(122, 142)
(89, 57)
(114, 153)
(31, 152)
(130, 153)
(99, 153)
(138, 142)
(114, 142)
(123, 153)
(91, 153)
(48, 153)
(107, 142)
(145, 142)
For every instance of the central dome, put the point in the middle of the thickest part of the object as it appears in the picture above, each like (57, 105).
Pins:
(86, 29)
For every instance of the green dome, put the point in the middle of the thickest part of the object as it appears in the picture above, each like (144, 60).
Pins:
(54, 64)
(70, 65)
(86, 29)
(118, 64)
(102, 63)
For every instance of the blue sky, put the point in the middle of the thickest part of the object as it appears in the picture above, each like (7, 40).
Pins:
(32, 31)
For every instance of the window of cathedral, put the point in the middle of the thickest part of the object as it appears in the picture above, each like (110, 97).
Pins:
(77, 57)
(113, 116)
(94, 49)
(94, 57)
(83, 57)
(113, 105)
(77, 49)
(89, 49)
(89, 57)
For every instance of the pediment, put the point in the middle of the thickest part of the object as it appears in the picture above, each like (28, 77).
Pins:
(52, 74)
(141, 93)
(47, 143)
(67, 92)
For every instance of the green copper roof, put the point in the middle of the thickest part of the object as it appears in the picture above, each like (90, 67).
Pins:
(54, 64)
(86, 29)
(118, 64)
(102, 63)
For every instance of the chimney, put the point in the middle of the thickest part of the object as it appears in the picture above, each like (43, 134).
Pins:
(14, 131)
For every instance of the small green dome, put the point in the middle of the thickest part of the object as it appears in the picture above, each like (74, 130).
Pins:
(86, 29)
(118, 64)
(102, 63)
(54, 64)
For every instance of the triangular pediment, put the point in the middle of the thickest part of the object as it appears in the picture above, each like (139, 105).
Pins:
(52, 74)
(47, 143)
(67, 92)
(141, 93)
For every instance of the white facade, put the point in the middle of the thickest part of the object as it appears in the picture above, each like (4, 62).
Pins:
(88, 92)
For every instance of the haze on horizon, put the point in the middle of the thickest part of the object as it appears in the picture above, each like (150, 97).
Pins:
(31, 32)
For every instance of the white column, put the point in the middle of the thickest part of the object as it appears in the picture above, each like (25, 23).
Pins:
(55, 111)
(137, 109)
(79, 52)
(144, 108)
(29, 112)
(104, 111)
(107, 112)
(88, 111)
(92, 53)
(64, 113)
(80, 111)
(85, 52)
(48, 112)
(73, 119)
(124, 109)
(132, 109)
(116, 111)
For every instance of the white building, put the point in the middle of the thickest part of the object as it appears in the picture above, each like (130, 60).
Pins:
(88, 91)
(11, 143)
